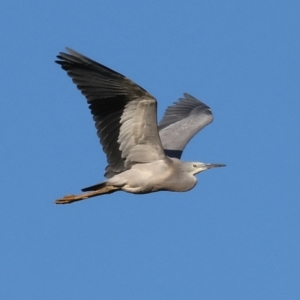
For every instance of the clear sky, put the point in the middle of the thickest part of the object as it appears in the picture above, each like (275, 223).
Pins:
(235, 235)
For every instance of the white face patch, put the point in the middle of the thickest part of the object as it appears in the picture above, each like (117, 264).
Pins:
(197, 167)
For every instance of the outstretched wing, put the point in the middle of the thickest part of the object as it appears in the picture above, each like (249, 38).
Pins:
(124, 113)
(181, 122)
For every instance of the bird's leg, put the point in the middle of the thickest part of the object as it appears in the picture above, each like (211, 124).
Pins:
(73, 198)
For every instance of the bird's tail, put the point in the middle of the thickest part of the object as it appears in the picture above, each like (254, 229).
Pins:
(93, 191)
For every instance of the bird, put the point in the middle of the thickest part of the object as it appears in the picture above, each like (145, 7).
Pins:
(142, 155)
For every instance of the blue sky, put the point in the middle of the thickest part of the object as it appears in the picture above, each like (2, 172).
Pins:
(235, 235)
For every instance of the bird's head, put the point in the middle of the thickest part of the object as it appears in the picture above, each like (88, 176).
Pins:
(197, 167)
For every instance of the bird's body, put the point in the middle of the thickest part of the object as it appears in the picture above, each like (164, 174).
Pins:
(143, 157)
(159, 175)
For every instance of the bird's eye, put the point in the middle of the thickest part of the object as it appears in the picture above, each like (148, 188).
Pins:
(194, 166)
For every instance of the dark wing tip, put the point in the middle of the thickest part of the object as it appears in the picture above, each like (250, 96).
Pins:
(74, 59)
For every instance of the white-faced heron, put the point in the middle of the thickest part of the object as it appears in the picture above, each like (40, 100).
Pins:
(143, 157)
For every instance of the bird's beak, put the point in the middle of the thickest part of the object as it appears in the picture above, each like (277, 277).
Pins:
(210, 166)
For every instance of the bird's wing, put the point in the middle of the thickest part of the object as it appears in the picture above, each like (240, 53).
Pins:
(124, 113)
(181, 122)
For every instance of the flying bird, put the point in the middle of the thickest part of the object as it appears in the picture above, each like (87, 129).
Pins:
(143, 156)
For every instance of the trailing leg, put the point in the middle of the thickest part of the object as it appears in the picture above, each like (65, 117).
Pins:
(103, 189)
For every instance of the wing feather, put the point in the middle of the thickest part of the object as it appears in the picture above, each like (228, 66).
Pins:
(181, 122)
(124, 113)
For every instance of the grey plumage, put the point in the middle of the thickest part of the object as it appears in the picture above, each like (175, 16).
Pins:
(142, 156)
(181, 122)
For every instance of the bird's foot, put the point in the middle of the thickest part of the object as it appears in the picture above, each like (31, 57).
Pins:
(70, 198)
(73, 198)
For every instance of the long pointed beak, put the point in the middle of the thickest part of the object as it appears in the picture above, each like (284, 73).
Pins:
(210, 166)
